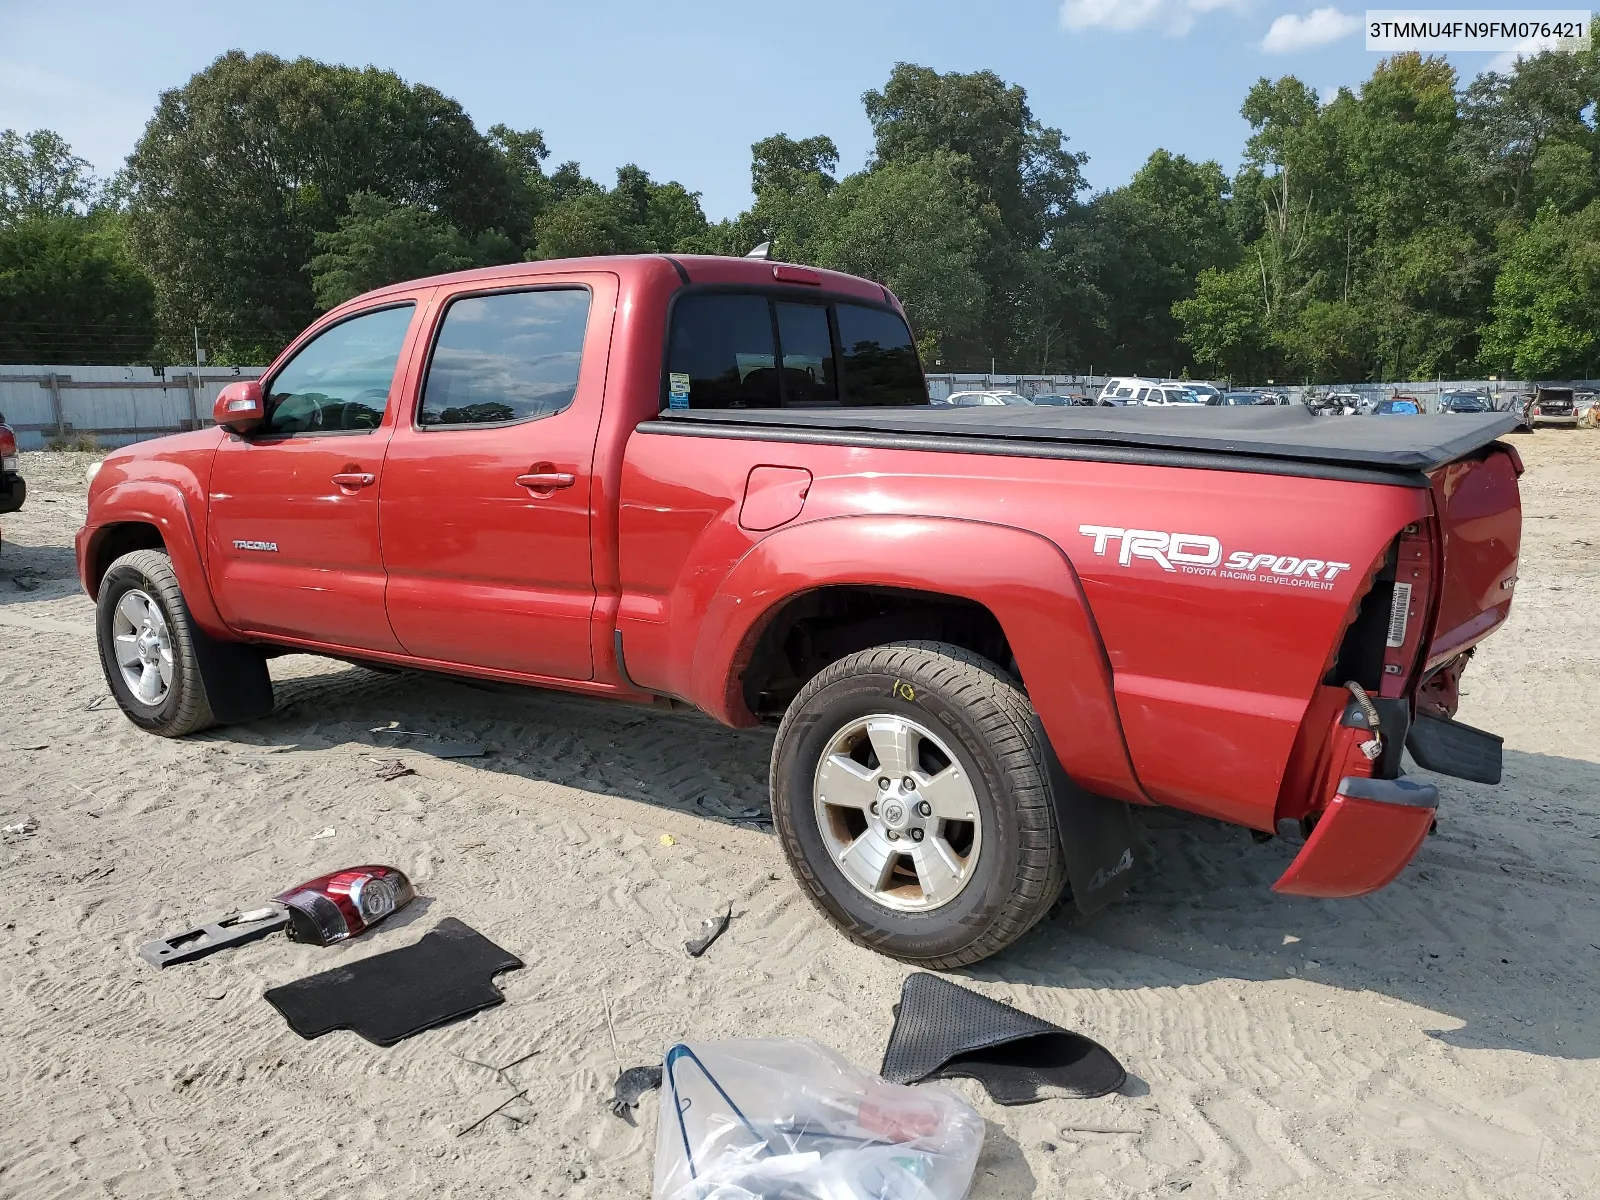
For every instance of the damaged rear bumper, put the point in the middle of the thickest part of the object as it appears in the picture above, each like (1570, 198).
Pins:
(1363, 839)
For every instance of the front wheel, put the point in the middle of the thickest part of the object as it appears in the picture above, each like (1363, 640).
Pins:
(910, 789)
(147, 646)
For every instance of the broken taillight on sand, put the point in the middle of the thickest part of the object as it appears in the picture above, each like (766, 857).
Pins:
(333, 907)
(324, 910)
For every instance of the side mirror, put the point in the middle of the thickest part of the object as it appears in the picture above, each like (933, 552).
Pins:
(240, 407)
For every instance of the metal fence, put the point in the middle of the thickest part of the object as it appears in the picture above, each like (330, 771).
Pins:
(117, 405)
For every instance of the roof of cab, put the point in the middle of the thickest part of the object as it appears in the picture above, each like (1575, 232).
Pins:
(700, 268)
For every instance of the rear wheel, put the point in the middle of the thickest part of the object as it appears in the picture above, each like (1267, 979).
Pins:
(147, 646)
(911, 792)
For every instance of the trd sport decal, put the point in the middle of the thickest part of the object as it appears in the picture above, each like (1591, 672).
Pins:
(1201, 554)
(246, 544)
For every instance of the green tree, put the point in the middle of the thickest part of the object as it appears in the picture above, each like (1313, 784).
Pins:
(241, 168)
(380, 241)
(909, 226)
(1226, 324)
(638, 216)
(41, 177)
(69, 293)
(1022, 188)
(1545, 321)
(1153, 238)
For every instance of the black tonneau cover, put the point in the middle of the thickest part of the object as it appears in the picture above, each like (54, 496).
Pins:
(1278, 432)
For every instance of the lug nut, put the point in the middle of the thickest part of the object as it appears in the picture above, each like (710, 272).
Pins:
(873, 809)
(909, 784)
(916, 835)
(883, 784)
(893, 836)
(924, 809)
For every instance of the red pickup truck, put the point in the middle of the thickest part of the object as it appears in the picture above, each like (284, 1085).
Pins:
(983, 635)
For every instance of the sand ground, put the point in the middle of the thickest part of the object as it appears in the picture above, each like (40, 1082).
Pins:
(1438, 1039)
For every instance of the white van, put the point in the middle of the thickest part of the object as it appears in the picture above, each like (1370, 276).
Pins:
(1132, 390)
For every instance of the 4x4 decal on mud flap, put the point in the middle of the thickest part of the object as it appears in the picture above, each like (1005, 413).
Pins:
(1202, 554)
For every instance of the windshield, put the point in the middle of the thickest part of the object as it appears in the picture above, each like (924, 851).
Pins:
(1012, 398)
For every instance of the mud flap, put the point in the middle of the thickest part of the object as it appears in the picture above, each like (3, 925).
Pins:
(1451, 748)
(1097, 837)
(235, 676)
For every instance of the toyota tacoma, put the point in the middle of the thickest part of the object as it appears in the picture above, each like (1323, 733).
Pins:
(983, 635)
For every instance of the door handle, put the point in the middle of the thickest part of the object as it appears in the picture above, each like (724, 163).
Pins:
(355, 479)
(547, 481)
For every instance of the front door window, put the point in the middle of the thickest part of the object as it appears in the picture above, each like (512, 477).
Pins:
(339, 381)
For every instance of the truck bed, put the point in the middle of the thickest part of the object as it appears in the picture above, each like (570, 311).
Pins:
(1276, 440)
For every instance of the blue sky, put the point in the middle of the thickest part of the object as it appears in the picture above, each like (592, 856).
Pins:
(683, 88)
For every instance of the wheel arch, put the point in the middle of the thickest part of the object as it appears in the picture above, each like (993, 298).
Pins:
(1020, 580)
(150, 515)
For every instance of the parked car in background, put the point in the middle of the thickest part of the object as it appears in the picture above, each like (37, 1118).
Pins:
(1205, 391)
(1273, 397)
(1335, 404)
(1125, 389)
(1056, 400)
(1236, 398)
(1170, 393)
(1463, 402)
(13, 489)
(981, 399)
(1552, 406)
(1399, 406)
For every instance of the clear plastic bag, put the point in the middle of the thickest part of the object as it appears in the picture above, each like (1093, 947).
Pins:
(788, 1119)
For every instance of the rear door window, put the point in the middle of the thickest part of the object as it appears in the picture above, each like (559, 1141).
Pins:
(878, 360)
(510, 356)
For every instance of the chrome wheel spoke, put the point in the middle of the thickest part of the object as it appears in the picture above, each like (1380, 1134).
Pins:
(164, 666)
(134, 609)
(939, 871)
(127, 649)
(844, 783)
(949, 794)
(149, 689)
(867, 860)
(893, 742)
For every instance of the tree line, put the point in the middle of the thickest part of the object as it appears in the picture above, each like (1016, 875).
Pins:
(1415, 226)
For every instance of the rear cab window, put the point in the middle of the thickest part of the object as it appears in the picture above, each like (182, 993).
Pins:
(766, 350)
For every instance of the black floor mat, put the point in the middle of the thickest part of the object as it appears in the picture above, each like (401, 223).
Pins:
(448, 974)
(942, 1031)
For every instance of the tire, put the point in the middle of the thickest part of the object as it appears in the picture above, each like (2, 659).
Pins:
(954, 708)
(182, 705)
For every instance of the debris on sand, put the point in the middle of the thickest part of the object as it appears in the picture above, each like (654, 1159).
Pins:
(710, 930)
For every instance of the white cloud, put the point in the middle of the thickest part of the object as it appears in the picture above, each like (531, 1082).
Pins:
(1507, 59)
(1290, 33)
(1174, 17)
